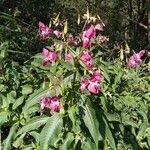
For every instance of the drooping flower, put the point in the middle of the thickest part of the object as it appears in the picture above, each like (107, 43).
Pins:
(49, 56)
(54, 104)
(85, 42)
(92, 84)
(75, 41)
(86, 57)
(135, 59)
(100, 26)
(44, 101)
(84, 82)
(44, 30)
(97, 76)
(89, 32)
(94, 87)
(68, 56)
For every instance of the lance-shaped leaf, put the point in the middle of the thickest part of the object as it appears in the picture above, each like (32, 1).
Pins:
(109, 135)
(51, 131)
(34, 123)
(67, 142)
(91, 122)
(8, 141)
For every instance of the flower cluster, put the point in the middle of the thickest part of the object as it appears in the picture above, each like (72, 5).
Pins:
(92, 83)
(49, 56)
(53, 103)
(135, 59)
(90, 33)
(44, 30)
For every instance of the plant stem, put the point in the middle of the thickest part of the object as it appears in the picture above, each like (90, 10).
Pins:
(73, 84)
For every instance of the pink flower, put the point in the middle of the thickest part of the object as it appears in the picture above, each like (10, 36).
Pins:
(85, 56)
(87, 59)
(57, 33)
(92, 84)
(44, 30)
(89, 32)
(96, 76)
(87, 35)
(44, 102)
(94, 87)
(83, 83)
(99, 26)
(85, 42)
(68, 56)
(135, 59)
(49, 56)
(89, 64)
(54, 104)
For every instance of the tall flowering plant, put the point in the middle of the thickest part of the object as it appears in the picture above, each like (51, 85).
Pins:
(76, 83)
(74, 51)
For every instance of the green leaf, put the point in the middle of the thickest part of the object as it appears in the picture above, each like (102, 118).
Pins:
(3, 49)
(34, 123)
(105, 73)
(36, 136)
(67, 142)
(91, 122)
(142, 130)
(8, 141)
(109, 136)
(88, 145)
(18, 102)
(115, 117)
(4, 117)
(18, 142)
(2, 86)
(11, 97)
(26, 89)
(75, 121)
(34, 98)
(27, 147)
(67, 65)
(50, 132)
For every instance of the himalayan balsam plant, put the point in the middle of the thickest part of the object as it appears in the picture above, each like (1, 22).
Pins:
(81, 101)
